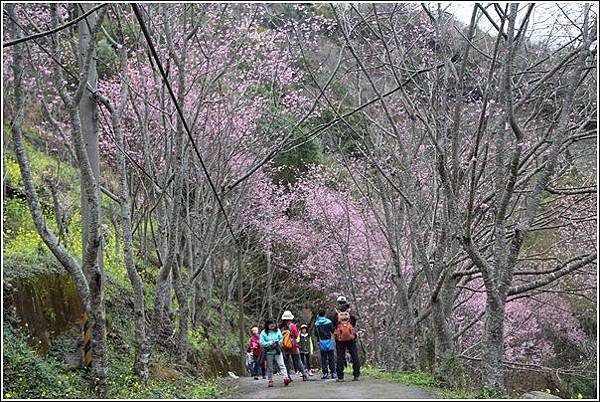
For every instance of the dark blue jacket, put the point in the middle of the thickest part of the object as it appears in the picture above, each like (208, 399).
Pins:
(323, 328)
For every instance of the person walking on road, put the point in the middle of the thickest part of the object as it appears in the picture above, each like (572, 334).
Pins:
(345, 338)
(257, 353)
(289, 344)
(324, 332)
(305, 344)
(270, 340)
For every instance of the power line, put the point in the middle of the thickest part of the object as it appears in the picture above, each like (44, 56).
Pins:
(140, 19)
(163, 190)
(52, 31)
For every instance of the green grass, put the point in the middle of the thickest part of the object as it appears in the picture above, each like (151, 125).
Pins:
(124, 385)
(428, 382)
(23, 367)
(418, 379)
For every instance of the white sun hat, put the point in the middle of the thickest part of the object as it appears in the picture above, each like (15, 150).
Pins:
(342, 299)
(287, 315)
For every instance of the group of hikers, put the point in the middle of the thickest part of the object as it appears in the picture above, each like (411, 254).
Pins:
(285, 346)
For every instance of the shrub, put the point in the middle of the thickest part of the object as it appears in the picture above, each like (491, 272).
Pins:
(450, 372)
(23, 367)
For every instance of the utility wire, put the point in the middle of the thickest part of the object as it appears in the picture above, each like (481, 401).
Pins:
(140, 19)
(162, 190)
(52, 31)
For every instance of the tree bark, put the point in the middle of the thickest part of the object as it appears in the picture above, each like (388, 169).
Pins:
(184, 313)
(91, 209)
(493, 341)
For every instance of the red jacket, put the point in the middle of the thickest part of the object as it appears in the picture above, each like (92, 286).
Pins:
(255, 347)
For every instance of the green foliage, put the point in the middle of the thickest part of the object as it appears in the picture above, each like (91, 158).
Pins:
(25, 242)
(415, 378)
(486, 393)
(16, 217)
(426, 355)
(12, 171)
(124, 385)
(21, 236)
(450, 372)
(455, 394)
(106, 54)
(345, 136)
(226, 343)
(296, 161)
(41, 164)
(23, 367)
(197, 338)
(26, 256)
(575, 387)
(419, 379)
(24, 265)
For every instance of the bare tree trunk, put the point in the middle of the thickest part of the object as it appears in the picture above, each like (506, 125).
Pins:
(240, 264)
(184, 313)
(269, 279)
(444, 343)
(141, 358)
(197, 314)
(498, 275)
(493, 341)
(91, 200)
(170, 228)
(407, 347)
(88, 276)
(50, 239)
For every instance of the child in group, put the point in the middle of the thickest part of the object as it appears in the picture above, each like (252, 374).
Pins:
(323, 330)
(249, 361)
(257, 354)
(270, 340)
(289, 344)
(305, 345)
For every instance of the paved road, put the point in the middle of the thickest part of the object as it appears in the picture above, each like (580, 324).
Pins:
(366, 388)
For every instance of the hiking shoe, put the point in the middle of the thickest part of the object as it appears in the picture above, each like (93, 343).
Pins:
(287, 381)
(333, 376)
(356, 379)
(270, 384)
(256, 378)
(325, 377)
(304, 377)
(264, 377)
(340, 380)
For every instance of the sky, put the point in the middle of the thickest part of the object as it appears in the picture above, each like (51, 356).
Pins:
(547, 18)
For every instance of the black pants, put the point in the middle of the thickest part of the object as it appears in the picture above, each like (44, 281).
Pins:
(259, 364)
(340, 350)
(328, 355)
(296, 362)
(305, 360)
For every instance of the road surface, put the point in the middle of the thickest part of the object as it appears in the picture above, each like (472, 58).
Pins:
(315, 388)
